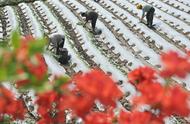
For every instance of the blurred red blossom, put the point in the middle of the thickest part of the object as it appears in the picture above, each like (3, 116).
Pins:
(10, 105)
(174, 64)
(137, 117)
(99, 85)
(45, 101)
(47, 108)
(99, 118)
(22, 52)
(176, 101)
(29, 64)
(79, 103)
(151, 93)
(141, 75)
(37, 68)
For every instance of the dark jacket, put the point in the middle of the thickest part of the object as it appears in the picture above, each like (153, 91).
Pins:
(63, 56)
(57, 41)
(91, 16)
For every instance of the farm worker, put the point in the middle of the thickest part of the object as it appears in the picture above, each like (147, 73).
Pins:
(92, 16)
(57, 41)
(149, 12)
(63, 56)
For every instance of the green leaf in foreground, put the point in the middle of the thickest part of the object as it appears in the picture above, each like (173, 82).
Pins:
(15, 39)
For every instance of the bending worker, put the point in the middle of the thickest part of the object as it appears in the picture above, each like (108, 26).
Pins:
(149, 12)
(92, 16)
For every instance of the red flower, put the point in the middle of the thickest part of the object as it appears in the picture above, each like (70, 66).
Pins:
(174, 65)
(16, 109)
(48, 103)
(35, 67)
(151, 93)
(141, 74)
(22, 52)
(80, 103)
(99, 85)
(38, 68)
(176, 101)
(5, 93)
(140, 118)
(134, 117)
(58, 118)
(2, 104)
(45, 101)
(9, 105)
(28, 38)
(187, 52)
(7, 57)
(169, 100)
(124, 117)
(29, 65)
(21, 83)
(98, 118)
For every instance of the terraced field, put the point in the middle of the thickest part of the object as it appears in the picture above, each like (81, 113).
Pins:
(124, 44)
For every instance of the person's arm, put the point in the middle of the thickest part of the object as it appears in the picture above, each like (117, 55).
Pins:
(143, 15)
(86, 20)
(85, 23)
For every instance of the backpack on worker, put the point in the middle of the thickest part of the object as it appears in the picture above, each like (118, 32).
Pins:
(63, 56)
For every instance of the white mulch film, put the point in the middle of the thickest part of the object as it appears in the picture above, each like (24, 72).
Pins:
(56, 69)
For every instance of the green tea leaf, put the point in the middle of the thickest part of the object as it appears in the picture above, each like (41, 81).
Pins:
(15, 39)
(37, 46)
(3, 74)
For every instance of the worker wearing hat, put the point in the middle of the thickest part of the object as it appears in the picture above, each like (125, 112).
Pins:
(90, 16)
(149, 12)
